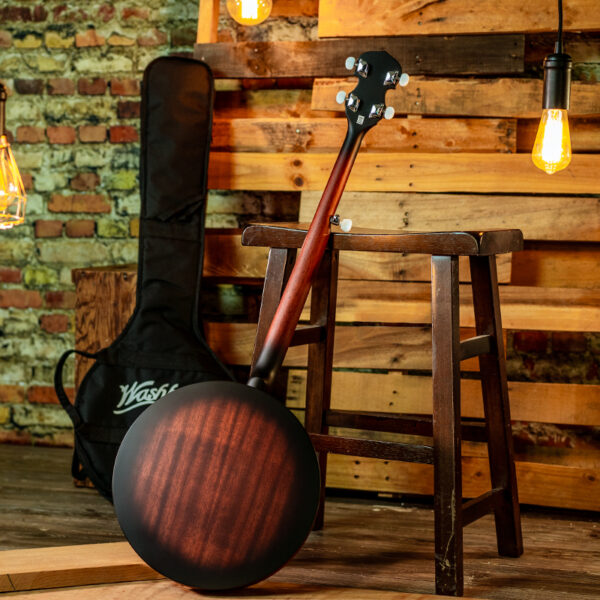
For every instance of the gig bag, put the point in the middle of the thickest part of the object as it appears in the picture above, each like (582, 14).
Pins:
(162, 346)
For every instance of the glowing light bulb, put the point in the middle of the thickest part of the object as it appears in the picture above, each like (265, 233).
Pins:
(249, 12)
(552, 146)
(12, 192)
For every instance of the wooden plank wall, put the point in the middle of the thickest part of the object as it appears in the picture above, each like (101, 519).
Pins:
(455, 156)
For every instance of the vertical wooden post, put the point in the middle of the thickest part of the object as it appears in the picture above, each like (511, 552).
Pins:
(208, 21)
(320, 359)
(446, 426)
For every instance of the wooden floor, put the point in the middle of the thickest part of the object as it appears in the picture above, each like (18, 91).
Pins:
(366, 544)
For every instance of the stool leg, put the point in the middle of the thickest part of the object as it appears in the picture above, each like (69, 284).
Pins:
(446, 426)
(279, 267)
(496, 406)
(320, 359)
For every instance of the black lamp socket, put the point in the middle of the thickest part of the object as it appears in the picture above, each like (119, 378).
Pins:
(557, 81)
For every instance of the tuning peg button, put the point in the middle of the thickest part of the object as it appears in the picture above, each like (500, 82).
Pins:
(340, 97)
(346, 225)
(389, 112)
(404, 79)
(350, 62)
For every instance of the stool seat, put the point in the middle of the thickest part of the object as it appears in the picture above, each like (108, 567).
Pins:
(445, 427)
(439, 243)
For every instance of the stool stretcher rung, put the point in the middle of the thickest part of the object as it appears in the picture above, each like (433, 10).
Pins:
(308, 334)
(481, 506)
(475, 346)
(372, 448)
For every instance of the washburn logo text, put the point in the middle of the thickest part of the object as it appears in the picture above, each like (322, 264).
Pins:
(140, 394)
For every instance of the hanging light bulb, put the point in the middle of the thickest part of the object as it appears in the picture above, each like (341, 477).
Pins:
(12, 192)
(552, 147)
(249, 12)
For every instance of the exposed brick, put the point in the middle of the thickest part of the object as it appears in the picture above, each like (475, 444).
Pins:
(128, 109)
(27, 134)
(27, 40)
(85, 181)
(61, 86)
(92, 133)
(60, 299)
(48, 229)
(154, 37)
(134, 227)
(20, 299)
(84, 203)
(133, 12)
(39, 13)
(55, 40)
(530, 341)
(54, 323)
(106, 12)
(567, 341)
(120, 134)
(27, 181)
(5, 39)
(80, 228)
(69, 14)
(92, 87)
(45, 394)
(61, 134)
(29, 86)
(89, 39)
(15, 436)
(125, 87)
(8, 275)
(15, 13)
(13, 394)
(120, 40)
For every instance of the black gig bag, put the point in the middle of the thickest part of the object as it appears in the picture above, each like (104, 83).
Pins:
(162, 346)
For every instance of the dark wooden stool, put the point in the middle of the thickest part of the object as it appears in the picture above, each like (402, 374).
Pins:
(445, 426)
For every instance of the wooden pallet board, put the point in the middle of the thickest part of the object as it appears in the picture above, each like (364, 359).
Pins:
(504, 97)
(423, 17)
(536, 216)
(397, 392)
(327, 134)
(402, 172)
(529, 308)
(439, 55)
(66, 566)
(585, 134)
(539, 484)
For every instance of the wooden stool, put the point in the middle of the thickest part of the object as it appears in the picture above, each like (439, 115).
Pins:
(445, 426)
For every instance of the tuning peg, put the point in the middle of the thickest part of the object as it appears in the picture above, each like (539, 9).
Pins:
(404, 79)
(362, 68)
(389, 112)
(350, 62)
(340, 97)
(346, 225)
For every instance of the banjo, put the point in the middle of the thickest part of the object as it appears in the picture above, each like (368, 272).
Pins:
(217, 484)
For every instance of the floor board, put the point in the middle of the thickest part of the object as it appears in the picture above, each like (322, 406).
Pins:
(365, 544)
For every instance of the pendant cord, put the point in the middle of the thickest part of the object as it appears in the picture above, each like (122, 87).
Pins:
(559, 41)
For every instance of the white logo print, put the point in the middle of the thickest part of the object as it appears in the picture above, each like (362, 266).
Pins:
(139, 394)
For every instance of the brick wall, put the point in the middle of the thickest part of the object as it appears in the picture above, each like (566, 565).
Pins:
(73, 71)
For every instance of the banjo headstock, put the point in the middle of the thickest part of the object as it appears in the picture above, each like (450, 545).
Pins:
(377, 72)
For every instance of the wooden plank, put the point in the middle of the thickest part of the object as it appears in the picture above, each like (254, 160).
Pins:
(425, 17)
(539, 217)
(208, 21)
(550, 265)
(266, 590)
(361, 347)
(5, 584)
(295, 8)
(397, 392)
(540, 484)
(225, 257)
(470, 97)
(65, 566)
(391, 172)
(585, 134)
(327, 134)
(529, 308)
(439, 55)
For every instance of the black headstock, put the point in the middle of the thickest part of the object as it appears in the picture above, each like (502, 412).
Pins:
(377, 72)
